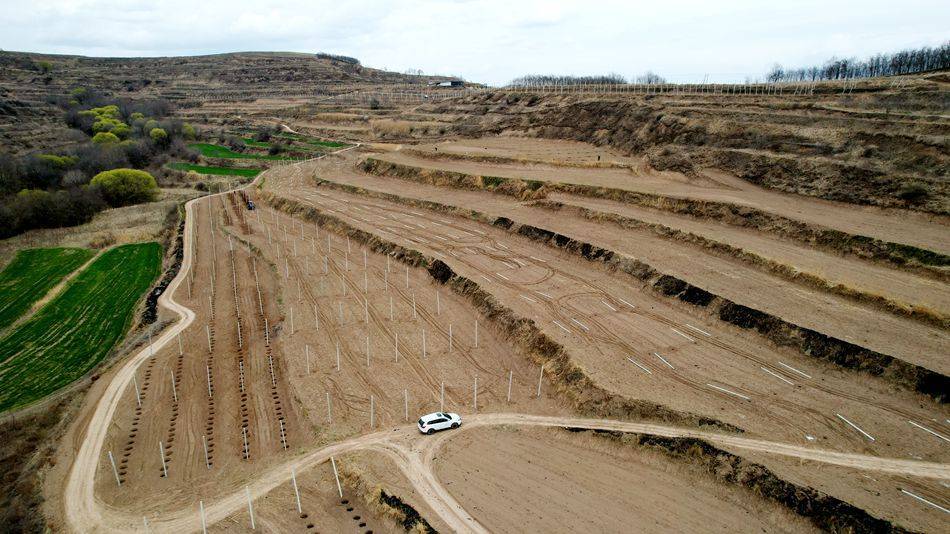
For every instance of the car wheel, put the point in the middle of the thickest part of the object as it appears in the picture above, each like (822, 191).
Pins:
(430, 431)
(455, 425)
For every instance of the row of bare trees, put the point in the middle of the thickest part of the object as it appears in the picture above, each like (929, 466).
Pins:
(537, 80)
(902, 62)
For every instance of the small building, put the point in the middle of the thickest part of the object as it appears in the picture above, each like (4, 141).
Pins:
(449, 83)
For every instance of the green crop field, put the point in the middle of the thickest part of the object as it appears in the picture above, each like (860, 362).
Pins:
(249, 141)
(312, 141)
(217, 151)
(222, 171)
(30, 276)
(72, 333)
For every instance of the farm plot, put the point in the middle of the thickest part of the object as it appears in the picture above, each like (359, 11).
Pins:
(77, 329)
(209, 150)
(219, 171)
(512, 483)
(642, 346)
(898, 226)
(830, 314)
(30, 276)
(300, 339)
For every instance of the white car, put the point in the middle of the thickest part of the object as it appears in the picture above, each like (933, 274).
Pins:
(439, 421)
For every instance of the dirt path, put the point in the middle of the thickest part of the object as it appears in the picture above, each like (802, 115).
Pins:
(414, 457)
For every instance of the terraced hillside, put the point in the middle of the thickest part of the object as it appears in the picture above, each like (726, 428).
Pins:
(883, 143)
(28, 81)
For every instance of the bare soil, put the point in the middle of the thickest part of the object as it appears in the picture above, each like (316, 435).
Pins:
(865, 326)
(516, 480)
(900, 226)
(616, 330)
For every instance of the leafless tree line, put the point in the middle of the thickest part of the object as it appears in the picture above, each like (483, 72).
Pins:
(902, 62)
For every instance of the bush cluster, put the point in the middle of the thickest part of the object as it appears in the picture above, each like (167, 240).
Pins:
(124, 138)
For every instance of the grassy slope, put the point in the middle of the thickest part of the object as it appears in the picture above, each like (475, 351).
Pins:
(31, 274)
(312, 141)
(76, 330)
(216, 151)
(222, 171)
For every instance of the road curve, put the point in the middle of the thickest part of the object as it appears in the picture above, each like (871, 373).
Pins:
(85, 513)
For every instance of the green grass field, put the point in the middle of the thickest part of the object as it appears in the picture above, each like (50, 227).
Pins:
(72, 333)
(312, 141)
(217, 151)
(30, 276)
(250, 141)
(221, 171)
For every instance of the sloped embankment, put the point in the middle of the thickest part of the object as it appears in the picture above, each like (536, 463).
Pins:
(783, 333)
(569, 378)
(920, 260)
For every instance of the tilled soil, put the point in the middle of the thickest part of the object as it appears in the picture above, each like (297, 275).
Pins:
(900, 226)
(641, 346)
(833, 315)
(553, 481)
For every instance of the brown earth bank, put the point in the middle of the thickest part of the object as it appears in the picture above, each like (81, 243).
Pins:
(725, 199)
(794, 143)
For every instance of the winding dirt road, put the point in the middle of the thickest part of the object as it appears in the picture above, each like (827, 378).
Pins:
(414, 455)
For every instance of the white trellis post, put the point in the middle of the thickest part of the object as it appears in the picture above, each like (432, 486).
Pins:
(541, 376)
(250, 506)
(336, 475)
(115, 471)
(510, 372)
(161, 452)
(138, 396)
(293, 478)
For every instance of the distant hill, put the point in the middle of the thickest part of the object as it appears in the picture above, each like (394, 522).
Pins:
(30, 82)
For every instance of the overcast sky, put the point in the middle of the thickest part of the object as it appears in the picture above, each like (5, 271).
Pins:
(490, 41)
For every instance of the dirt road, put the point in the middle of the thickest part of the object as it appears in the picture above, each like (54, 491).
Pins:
(85, 512)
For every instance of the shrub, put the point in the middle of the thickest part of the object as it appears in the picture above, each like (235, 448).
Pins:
(74, 178)
(188, 131)
(59, 162)
(122, 130)
(136, 116)
(158, 136)
(913, 192)
(121, 187)
(105, 138)
(103, 125)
